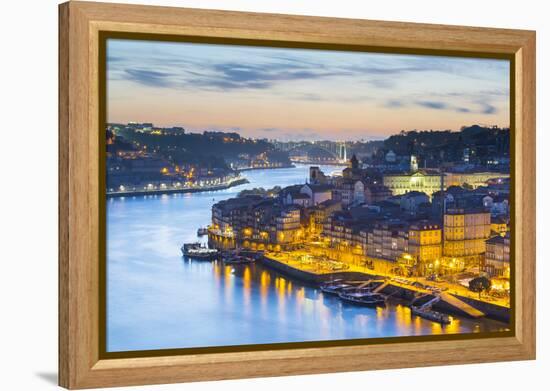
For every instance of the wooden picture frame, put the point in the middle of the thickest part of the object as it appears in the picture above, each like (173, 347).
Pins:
(81, 24)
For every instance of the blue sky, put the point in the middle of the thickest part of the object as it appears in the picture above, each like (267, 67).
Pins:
(299, 93)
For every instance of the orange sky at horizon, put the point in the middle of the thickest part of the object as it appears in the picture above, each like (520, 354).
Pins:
(300, 94)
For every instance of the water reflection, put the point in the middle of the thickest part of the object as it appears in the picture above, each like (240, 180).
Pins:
(158, 300)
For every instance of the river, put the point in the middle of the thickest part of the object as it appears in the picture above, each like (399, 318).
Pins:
(158, 300)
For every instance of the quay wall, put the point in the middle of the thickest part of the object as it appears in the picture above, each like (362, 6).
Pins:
(312, 278)
(491, 311)
(264, 168)
(176, 191)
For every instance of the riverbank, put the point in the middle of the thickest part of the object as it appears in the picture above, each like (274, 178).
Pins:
(449, 303)
(314, 163)
(265, 168)
(236, 182)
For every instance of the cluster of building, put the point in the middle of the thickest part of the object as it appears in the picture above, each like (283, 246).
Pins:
(420, 222)
(137, 171)
(133, 168)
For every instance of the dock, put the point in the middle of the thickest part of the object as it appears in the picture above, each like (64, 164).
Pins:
(381, 287)
(461, 305)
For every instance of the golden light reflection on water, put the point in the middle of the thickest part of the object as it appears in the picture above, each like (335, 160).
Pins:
(217, 273)
(453, 327)
(403, 318)
(308, 304)
(437, 328)
(300, 295)
(300, 301)
(247, 288)
(228, 283)
(265, 279)
(280, 285)
(417, 324)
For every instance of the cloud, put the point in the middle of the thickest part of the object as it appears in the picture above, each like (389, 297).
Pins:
(485, 108)
(394, 104)
(382, 83)
(433, 105)
(488, 108)
(231, 75)
(111, 59)
(149, 78)
(220, 76)
(309, 97)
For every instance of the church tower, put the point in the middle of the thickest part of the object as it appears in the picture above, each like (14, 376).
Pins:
(354, 162)
(414, 164)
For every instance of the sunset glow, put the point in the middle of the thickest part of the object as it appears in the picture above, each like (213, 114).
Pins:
(294, 94)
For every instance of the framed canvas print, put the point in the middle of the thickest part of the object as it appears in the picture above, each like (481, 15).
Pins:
(247, 195)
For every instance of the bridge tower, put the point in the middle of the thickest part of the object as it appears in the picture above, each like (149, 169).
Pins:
(342, 152)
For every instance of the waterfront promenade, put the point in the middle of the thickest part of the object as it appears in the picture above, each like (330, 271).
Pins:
(177, 189)
(454, 297)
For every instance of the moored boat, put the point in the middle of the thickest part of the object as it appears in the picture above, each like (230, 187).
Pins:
(202, 231)
(430, 314)
(238, 259)
(363, 297)
(198, 251)
(335, 287)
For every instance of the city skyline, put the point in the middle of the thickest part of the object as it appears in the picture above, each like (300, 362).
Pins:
(299, 94)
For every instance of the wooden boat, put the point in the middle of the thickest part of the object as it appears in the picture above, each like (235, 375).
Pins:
(430, 314)
(238, 259)
(198, 251)
(363, 297)
(335, 287)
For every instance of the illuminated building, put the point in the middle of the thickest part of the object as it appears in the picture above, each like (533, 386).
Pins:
(387, 241)
(320, 214)
(497, 256)
(430, 181)
(424, 181)
(288, 228)
(465, 232)
(474, 179)
(424, 245)
(499, 226)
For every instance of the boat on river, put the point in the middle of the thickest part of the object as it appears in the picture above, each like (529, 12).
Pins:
(202, 231)
(363, 296)
(335, 287)
(429, 314)
(199, 251)
(425, 311)
(238, 260)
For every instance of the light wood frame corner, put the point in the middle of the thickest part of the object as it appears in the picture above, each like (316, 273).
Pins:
(80, 24)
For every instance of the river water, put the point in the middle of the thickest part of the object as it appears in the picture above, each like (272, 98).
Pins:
(158, 300)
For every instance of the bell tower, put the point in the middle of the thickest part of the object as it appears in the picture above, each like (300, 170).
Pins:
(414, 163)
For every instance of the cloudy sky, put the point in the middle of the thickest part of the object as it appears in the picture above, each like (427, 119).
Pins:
(300, 94)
